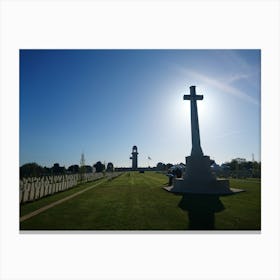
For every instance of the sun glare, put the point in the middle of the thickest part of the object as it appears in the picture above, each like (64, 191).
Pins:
(182, 109)
(209, 112)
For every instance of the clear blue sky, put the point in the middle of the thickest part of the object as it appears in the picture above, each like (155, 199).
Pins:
(103, 102)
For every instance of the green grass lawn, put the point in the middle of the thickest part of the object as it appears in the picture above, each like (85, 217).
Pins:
(136, 201)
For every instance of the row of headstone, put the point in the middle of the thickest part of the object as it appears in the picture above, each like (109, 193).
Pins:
(34, 188)
(52, 179)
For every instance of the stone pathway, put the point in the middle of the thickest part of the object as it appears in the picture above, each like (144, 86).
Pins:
(40, 210)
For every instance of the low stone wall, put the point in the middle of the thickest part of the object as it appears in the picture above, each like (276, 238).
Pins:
(31, 189)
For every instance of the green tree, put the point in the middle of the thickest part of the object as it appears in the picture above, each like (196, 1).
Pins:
(161, 166)
(74, 168)
(99, 166)
(168, 166)
(58, 170)
(110, 167)
(31, 170)
(88, 169)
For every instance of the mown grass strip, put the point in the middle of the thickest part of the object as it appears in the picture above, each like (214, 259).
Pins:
(50, 205)
(31, 206)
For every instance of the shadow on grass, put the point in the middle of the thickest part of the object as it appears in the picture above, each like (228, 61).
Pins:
(201, 210)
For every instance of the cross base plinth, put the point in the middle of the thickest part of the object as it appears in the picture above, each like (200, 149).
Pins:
(218, 187)
(198, 179)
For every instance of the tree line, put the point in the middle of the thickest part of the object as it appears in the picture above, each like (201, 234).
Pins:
(236, 168)
(35, 170)
(240, 169)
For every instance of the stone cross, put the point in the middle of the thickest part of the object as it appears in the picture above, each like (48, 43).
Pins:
(196, 148)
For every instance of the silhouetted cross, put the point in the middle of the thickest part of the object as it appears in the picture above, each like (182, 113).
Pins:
(196, 148)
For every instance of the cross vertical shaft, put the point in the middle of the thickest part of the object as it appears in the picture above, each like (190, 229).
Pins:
(196, 148)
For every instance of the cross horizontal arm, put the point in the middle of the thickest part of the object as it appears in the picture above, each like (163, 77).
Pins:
(190, 97)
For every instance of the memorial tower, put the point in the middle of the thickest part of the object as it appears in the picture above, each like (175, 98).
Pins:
(134, 158)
